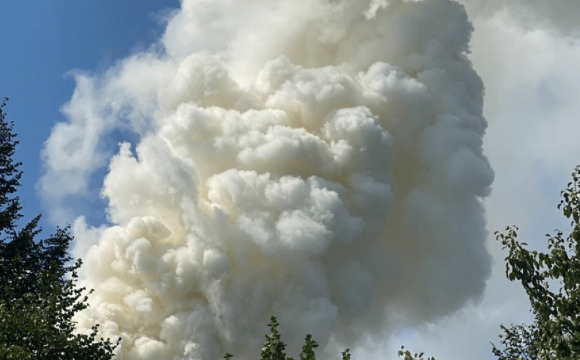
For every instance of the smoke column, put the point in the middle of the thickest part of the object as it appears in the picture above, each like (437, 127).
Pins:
(557, 16)
(317, 160)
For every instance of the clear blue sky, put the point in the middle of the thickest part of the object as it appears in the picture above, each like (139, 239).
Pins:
(42, 41)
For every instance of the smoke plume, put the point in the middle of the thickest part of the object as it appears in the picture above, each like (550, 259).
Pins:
(557, 16)
(317, 160)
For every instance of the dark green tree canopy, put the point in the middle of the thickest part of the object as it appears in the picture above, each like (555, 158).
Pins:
(10, 174)
(38, 293)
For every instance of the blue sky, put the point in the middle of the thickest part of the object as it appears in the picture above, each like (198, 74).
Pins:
(42, 42)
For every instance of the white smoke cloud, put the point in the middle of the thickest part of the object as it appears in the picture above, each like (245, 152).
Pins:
(316, 160)
(558, 16)
(531, 77)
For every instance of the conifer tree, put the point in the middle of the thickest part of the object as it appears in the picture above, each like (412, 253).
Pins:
(38, 292)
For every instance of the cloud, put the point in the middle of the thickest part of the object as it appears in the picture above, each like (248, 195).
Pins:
(558, 16)
(318, 161)
(531, 83)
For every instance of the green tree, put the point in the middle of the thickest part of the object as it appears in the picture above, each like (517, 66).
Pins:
(38, 293)
(275, 349)
(308, 349)
(407, 355)
(555, 332)
(346, 354)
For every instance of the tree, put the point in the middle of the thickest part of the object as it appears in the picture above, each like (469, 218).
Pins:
(407, 355)
(275, 349)
(308, 349)
(555, 332)
(38, 293)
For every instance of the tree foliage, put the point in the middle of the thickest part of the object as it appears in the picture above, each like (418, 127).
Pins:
(555, 332)
(10, 174)
(407, 355)
(275, 349)
(38, 293)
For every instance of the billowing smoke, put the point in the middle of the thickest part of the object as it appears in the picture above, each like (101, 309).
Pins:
(317, 160)
(558, 16)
